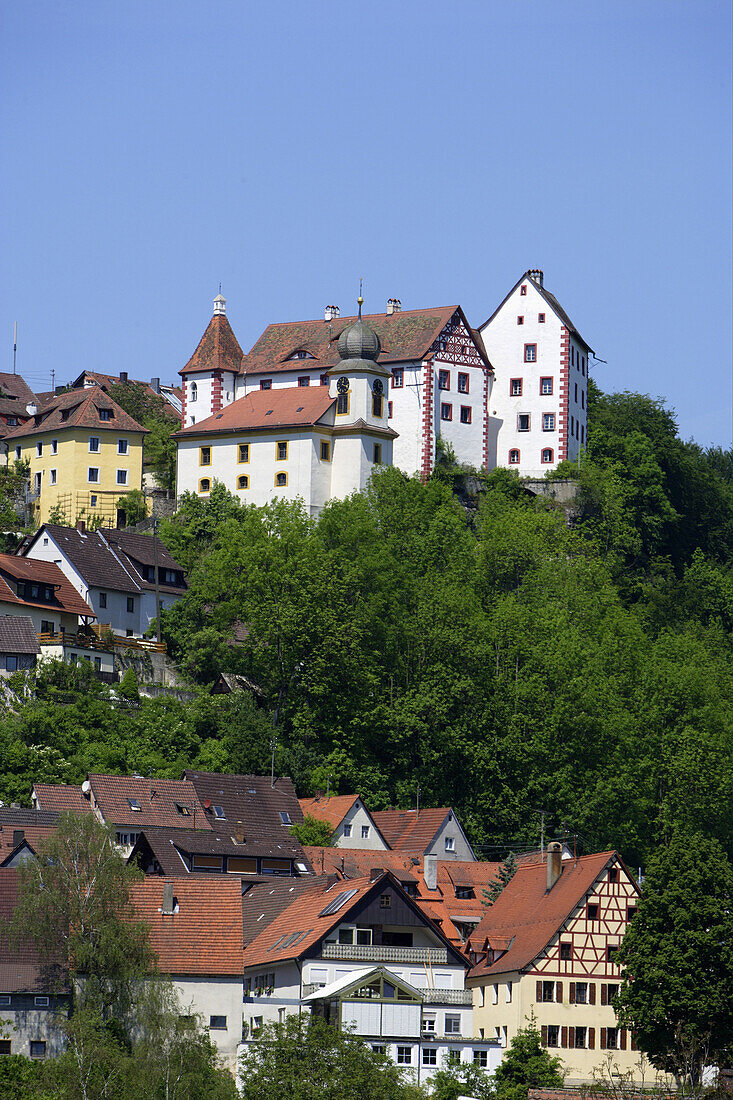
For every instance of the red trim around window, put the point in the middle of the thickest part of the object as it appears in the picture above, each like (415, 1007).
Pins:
(443, 379)
(547, 451)
(533, 353)
(541, 318)
(465, 414)
(520, 319)
(547, 393)
(265, 383)
(514, 461)
(463, 382)
(446, 411)
(523, 291)
(397, 378)
(515, 382)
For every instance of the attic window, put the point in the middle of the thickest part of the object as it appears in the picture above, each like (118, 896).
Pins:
(338, 902)
(285, 818)
(134, 804)
(301, 354)
(106, 414)
(183, 810)
(299, 409)
(219, 812)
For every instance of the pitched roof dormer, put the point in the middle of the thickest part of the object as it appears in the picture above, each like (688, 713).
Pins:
(218, 348)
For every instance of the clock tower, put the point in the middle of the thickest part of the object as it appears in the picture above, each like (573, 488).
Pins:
(359, 382)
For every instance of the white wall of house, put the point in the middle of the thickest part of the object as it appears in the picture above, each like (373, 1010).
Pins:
(23, 1022)
(466, 439)
(350, 832)
(216, 996)
(450, 842)
(198, 390)
(407, 415)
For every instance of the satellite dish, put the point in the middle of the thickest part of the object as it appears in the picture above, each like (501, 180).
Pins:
(207, 804)
(86, 787)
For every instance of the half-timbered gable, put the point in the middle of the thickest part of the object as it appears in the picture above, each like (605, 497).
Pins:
(547, 947)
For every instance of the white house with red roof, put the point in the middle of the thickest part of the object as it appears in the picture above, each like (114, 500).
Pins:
(538, 407)
(353, 826)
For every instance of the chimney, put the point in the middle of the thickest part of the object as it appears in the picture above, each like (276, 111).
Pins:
(394, 305)
(331, 313)
(168, 908)
(537, 276)
(81, 525)
(123, 376)
(430, 872)
(155, 384)
(554, 864)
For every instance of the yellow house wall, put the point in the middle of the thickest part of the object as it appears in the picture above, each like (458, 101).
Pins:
(589, 963)
(73, 490)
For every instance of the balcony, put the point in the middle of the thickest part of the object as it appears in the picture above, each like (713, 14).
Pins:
(357, 953)
(107, 644)
(447, 997)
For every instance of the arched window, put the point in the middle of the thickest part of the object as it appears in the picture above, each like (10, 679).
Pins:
(204, 485)
(548, 455)
(243, 482)
(281, 480)
(194, 391)
(513, 457)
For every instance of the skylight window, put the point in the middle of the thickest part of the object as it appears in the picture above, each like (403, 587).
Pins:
(338, 902)
(285, 817)
(134, 804)
(219, 812)
(183, 810)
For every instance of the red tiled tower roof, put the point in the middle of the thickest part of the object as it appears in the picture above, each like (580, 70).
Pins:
(218, 348)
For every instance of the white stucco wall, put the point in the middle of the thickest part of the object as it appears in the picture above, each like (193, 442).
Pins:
(460, 849)
(220, 996)
(358, 819)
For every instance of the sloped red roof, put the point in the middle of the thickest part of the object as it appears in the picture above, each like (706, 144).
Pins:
(42, 572)
(404, 336)
(289, 407)
(13, 837)
(59, 797)
(218, 348)
(331, 810)
(528, 917)
(107, 380)
(19, 969)
(81, 409)
(16, 386)
(204, 935)
(408, 830)
(157, 798)
(18, 634)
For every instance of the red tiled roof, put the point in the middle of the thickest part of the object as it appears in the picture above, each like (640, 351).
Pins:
(58, 797)
(16, 386)
(157, 798)
(218, 348)
(408, 830)
(19, 970)
(529, 917)
(82, 409)
(45, 573)
(264, 902)
(107, 380)
(330, 810)
(405, 336)
(12, 837)
(290, 407)
(204, 936)
(18, 635)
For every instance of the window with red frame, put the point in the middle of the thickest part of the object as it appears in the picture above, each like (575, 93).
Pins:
(443, 379)
(324, 379)
(265, 383)
(514, 457)
(547, 455)
(465, 414)
(397, 378)
(530, 353)
(304, 380)
(520, 319)
(446, 411)
(541, 318)
(546, 387)
(389, 410)
(523, 291)
(463, 382)
(515, 387)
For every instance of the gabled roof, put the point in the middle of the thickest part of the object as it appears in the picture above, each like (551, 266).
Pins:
(331, 810)
(527, 918)
(19, 967)
(14, 839)
(408, 830)
(406, 336)
(203, 936)
(218, 348)
(45, 573)
(266, 900)
(13, 385)
(289, 407)
(91, 557)
(157, 798)
(173, 847)
(252, 807)
(108, 380)
(136, 549)
(18, 635)
(355, 978)
(78, 409)
(552, 303)
(58, 797)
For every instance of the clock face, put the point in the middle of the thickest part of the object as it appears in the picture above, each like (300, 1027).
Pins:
(342, 385)
(378, 386)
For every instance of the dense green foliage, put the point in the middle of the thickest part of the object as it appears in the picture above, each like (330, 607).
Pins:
(485, 648)
(154, 413)
(313, 832)
(461, 1079)
(504, 875)
(678, 957)
(526, 1065)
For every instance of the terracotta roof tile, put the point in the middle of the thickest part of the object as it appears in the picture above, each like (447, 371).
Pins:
(405, 336)
(78, 409)
(218, 348)
(18, 634)
(204, 935)
(13, 836)
(58, 797)
(16, 386)
(65, 598)
(266, 901)
(528, 917)
(19, 970)
(106, 381)
(290, 407)
(331, 810)
(157, 799)
(406, 830)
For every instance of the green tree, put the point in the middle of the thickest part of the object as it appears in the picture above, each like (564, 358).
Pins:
(677, 954)
(156, 414)
(461, 1080)
(307, 1059)
(134, 506)
(311, 831)
(74, 906)
(505, 874)
(526, 1065)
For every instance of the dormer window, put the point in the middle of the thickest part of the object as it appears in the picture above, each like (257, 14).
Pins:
(106, 414)
(301, 354)
(219, 812)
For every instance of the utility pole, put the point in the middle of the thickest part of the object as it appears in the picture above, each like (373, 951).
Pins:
(273, 745)
(15, 344)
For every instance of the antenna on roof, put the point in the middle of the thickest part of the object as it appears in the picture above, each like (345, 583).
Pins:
(417, 808)
(15, 344)
(360, 299)
(273, 745)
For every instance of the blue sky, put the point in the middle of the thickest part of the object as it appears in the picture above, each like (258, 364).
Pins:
(438, 150)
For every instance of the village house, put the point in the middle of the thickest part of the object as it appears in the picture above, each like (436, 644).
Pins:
(114, 571)
(430, 831)
(361, 954)
(538, 408)
(19, 648)
(353, 825)
(546, 947)
(84, 453)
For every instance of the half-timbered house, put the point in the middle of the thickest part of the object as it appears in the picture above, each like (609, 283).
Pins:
(546, 947)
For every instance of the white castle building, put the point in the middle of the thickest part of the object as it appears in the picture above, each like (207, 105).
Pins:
(315, 404)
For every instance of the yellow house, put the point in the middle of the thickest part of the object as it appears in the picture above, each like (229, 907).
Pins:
(84, 453)
(546, 949)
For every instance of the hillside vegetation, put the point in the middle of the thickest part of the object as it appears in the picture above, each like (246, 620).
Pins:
(503, 659)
